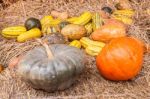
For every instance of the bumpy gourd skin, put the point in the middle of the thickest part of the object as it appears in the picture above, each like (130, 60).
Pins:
(53, 74)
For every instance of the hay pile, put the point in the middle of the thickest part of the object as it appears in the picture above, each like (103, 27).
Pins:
(90, 84)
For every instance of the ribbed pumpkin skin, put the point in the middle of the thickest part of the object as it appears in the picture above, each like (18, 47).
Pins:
(121, 59)
(50, 75)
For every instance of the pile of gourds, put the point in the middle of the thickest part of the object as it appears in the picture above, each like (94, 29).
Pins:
(78, 30)
(101, 34)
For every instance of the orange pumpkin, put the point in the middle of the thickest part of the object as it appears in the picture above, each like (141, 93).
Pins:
(112, 29)
(121, 59)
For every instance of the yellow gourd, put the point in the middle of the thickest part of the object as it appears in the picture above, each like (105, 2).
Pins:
(85, 42)
(83, 19)
(75, 43)
(45, 19)
(124, 15)
(13, 32)
(93, 50)
(33, 33)
(97, 21)
(88, 28)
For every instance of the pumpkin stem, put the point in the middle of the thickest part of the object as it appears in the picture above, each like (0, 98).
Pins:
(48, 50)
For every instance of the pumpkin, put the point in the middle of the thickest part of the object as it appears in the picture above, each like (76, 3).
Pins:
(121, 59)
(54, 38)
(33, 23)
(115, 22)
(51, 68)
(112, 29)
(73, 31)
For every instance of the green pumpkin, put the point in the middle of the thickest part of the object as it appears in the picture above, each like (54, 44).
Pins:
(52, 68)
(33, 23)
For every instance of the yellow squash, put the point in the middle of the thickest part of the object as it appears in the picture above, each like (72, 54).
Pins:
(126, 12)
(33, 33)
(85, 42)
(9, 36)
(124, 15)
(72, 19)
(13, 32)
(75, 43)
(83, 19)
(53, 22)
(93, 50)
(46, 19)
(124, 19)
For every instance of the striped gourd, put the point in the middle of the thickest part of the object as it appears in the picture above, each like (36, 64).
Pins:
(85, 42)
(13, 32)
(88, 28)
(97, 21)
(84, 18)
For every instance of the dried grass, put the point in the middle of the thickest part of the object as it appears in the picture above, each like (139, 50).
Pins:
(90, 84)
(6, 3)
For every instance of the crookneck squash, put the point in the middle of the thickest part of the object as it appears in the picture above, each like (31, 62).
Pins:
(52, 67)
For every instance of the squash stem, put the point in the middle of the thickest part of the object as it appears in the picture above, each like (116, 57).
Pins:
(48, 50)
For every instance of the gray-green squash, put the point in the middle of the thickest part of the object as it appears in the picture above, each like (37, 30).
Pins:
(52, 68)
